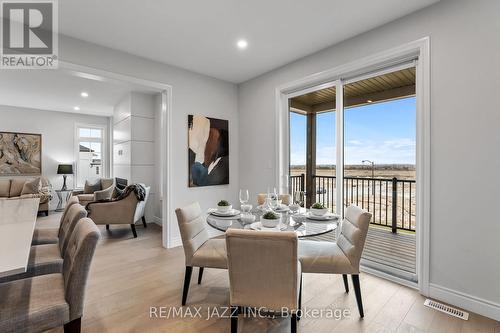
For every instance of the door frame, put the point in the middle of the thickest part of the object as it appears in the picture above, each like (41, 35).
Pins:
(166, 112)
(419, 49)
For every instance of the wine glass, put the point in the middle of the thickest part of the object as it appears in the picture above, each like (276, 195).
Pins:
(244, 196)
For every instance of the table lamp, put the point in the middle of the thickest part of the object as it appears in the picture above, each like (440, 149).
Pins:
(64, 169)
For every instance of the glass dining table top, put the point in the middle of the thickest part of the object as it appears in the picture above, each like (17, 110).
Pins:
(303, 226)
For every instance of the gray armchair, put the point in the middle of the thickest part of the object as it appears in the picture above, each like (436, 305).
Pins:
(89, 194)
(127, 210)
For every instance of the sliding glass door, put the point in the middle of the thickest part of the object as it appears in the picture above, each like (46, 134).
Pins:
(379, 171)
(362, 155)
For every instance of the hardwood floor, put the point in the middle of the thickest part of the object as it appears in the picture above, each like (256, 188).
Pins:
(129, 276)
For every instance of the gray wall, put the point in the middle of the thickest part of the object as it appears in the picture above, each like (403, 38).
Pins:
(465, 59)
(58, 137)
(192, 94)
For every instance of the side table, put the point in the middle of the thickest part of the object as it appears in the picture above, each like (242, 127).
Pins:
(61, 204)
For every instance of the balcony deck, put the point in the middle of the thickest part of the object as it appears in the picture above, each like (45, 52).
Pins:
(396, 250)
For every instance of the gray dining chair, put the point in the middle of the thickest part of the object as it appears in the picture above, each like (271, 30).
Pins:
(45, 302)
(264, 272)
(341, 257)
(48, 258)
(51, 235)
(199, 249)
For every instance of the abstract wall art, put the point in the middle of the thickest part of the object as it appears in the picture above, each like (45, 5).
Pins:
(20, 154)
(208, 151)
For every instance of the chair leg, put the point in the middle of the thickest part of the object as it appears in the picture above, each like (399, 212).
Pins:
(144, 222)
(73, 326)
(133, 230)
(346, 283)
(46, 212)
(357, 291)
(300, 298)
(200, 275)
(107, 226)
(234, 319)
(187, 280)
(294, 323)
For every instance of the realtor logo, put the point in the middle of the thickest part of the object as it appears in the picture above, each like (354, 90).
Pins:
(29, 37)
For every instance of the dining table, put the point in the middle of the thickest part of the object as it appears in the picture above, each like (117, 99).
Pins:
(300, 222)
(17, 223)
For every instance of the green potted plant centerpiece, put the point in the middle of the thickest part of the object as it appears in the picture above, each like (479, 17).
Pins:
(318, 209)
(224, 206)
(270, 220)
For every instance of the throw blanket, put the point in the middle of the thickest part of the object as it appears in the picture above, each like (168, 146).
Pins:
(139, 191)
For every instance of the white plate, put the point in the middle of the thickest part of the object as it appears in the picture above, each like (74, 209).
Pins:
(326, 217)
(232, 212)
(258, 226)
(282, 208)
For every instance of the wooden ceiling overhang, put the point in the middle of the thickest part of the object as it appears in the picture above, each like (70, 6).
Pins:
(381, 88)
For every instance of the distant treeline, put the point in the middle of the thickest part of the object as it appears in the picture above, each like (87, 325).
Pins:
(406, 167)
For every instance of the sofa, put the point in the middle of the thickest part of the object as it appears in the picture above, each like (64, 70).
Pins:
(100, 190)
(39, 187)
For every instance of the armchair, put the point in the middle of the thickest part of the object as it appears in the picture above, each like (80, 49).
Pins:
(125, 210)
(91, 193)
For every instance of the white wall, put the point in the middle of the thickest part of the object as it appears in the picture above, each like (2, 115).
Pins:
(58, 137)
(134, 144)
(465, 53)
(192, 94)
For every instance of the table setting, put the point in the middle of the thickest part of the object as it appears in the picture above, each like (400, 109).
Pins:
(274, 213)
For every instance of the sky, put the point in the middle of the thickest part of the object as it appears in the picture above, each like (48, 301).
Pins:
(384, 133)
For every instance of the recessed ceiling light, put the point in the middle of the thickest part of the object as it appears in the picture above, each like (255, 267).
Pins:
(76, 108)
(84, 94)
(369, 101)
(242, 44)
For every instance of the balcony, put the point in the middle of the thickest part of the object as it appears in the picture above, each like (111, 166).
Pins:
(391, 238)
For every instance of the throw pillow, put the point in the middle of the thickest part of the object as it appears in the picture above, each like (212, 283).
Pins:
(16, 187)
(118, 192)
(31, 186)
(90, 188)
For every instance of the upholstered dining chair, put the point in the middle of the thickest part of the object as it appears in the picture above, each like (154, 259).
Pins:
(342, 257)
(45, 302)
(261, 198)
(48, 258)
(264, 272)
(199, 249)
(51, 235)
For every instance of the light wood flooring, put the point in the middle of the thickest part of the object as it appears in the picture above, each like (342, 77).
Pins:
(130, 275)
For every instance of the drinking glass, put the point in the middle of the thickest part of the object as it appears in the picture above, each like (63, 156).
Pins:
(244, 196)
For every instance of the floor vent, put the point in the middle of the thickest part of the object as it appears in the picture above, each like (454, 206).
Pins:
(447, 309)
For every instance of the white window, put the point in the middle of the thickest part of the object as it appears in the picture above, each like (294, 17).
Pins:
(90, 154)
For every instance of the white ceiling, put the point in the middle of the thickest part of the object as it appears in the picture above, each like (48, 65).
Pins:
(58, 90)
(201, 35)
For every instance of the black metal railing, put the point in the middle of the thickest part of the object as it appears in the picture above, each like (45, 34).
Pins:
(392, 202)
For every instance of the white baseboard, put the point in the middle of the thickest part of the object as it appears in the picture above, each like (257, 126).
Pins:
(175, 241)
(465, 301)
(157, 220)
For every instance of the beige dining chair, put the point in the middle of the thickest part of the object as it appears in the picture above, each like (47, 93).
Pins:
(343, 256)
(48, 258)
(264, 272)
(51, 235)
(45, 302)
(199, 249)
(261, 199)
